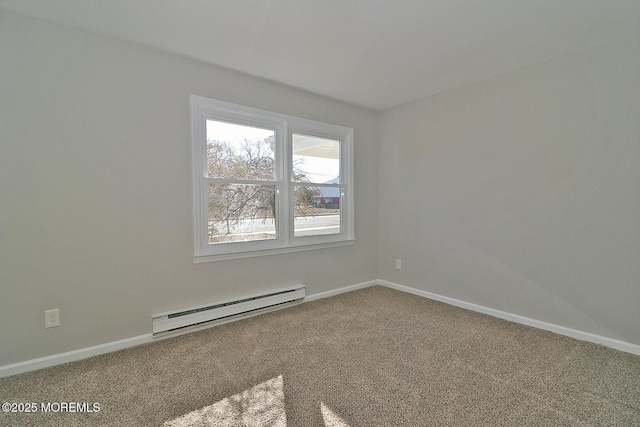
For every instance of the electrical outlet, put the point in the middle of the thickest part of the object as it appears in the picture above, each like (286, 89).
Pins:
(398, 264)
(52, 318)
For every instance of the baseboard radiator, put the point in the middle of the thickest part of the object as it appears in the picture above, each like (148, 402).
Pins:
(230, 309)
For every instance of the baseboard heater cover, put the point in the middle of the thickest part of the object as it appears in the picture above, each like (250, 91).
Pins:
(170, 320)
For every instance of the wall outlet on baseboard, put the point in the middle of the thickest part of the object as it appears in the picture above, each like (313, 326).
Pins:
(52, 318)
(398, 264)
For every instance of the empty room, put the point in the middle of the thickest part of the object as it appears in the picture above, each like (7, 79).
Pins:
(319, 213)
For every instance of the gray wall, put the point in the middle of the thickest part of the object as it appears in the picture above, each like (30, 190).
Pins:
(519, 193)
(95, 189)
(522, 193)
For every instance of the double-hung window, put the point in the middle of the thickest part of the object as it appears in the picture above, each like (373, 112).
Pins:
(268, 183)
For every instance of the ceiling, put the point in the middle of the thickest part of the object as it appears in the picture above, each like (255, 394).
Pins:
(372, 53)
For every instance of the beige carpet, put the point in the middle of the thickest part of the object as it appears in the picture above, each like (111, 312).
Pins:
(373, 357)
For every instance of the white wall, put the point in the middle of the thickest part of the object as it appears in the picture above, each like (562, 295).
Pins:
(95, 189)
(522, 193)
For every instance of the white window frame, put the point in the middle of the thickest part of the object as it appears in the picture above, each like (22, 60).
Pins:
(203, 109)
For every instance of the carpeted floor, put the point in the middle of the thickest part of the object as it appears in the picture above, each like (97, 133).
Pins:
(373, 357)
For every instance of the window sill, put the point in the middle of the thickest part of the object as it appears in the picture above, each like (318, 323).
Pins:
(199, 259)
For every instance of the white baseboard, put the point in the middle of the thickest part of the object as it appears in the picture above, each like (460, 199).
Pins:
(72, 356)
(83, 353)
(339, 291)
(573, 333)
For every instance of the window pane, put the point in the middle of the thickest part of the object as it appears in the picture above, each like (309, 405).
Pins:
(316, 159)
(241, 212)
(316, 211)
(240, 152)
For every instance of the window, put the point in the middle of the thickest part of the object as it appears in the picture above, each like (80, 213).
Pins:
(267, 183)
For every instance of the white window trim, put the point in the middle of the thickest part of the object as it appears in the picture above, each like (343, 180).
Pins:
(284, 125)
